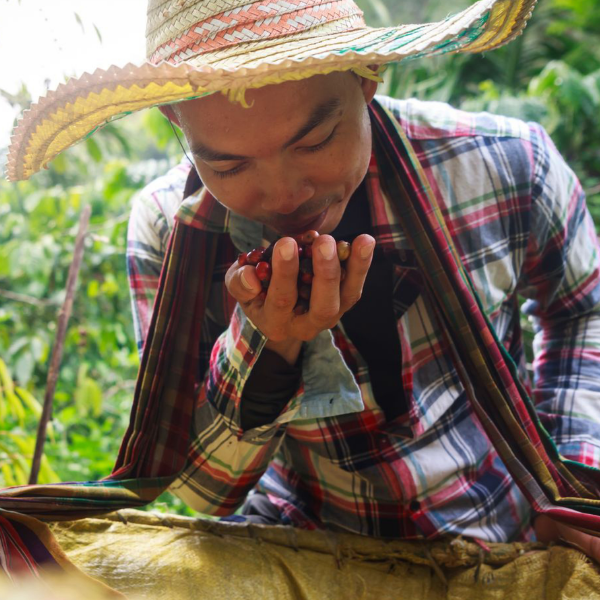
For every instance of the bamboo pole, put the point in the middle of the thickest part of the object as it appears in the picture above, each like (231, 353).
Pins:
(59, 342)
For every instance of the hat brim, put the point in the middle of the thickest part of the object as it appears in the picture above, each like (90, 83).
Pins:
(76, 109)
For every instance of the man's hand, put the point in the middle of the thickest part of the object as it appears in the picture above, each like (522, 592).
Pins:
(548, 530)
(274, 315)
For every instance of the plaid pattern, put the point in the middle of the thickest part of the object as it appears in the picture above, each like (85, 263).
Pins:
(432, 472)
(517, 217)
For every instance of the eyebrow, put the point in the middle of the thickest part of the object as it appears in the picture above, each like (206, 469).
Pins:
(319, 115)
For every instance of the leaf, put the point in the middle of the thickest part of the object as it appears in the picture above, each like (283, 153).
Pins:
(59, 164)
(2, 406)
(14, 403)
(5, 378)
(88, 395)
(47, 474)
(29, 401)
(24, 444)
(98, 33)
(93, 149)
(20, 468)
(7, 474)
(93, 288)
(79, 21)
(24, 367)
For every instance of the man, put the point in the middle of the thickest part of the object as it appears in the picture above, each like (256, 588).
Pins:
(356, 415)
(296, 159)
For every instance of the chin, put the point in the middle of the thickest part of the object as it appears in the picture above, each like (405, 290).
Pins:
(333, 218)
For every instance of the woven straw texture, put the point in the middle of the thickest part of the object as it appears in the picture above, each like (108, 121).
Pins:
(239, 51)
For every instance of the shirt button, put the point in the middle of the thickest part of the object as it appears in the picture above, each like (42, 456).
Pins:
(414, 506)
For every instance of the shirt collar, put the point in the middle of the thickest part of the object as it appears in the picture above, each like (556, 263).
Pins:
(203, 211)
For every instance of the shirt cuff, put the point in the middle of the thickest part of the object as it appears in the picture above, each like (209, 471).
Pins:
(327, 387)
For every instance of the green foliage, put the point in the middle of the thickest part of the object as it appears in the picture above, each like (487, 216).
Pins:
(38, 224)
(550, 74)
(19, 414)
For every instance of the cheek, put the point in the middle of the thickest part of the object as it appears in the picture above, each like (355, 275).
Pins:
(229, 192)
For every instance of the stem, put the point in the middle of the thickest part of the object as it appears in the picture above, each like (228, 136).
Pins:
(59, 342)
(41, 302)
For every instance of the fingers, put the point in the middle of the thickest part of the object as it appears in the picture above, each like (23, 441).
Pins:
(242, 283)
(357, 267)
(548, 530)
(588, 544)
(274, 313)
(324, 308)
(281, 299)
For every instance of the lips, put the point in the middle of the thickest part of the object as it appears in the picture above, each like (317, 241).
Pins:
(294, 227)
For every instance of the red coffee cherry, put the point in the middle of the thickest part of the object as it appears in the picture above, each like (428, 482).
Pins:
(306, 277)
(308, 237)
(263, 270)
(304, 291)
(301, 307)
(306, 266)
(255, 256)
(261, 259)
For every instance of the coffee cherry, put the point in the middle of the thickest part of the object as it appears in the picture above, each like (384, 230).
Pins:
(255, 256)
(304, 291)
(343, 250)
(261, 259)
(263, 270)
(301, 307)
(306, 266)
(306, 277)
(308, 237)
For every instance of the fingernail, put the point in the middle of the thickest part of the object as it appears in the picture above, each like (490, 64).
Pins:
(366, 251)
(286, 250)
(327, 249)
(245, 282)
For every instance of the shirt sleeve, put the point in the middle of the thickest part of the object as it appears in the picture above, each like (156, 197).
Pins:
(561, 279)
(147, 236)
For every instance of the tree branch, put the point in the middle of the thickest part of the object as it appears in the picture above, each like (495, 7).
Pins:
(59, 342)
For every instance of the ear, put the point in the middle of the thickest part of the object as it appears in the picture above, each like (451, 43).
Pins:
(369, 87)
(168, 112)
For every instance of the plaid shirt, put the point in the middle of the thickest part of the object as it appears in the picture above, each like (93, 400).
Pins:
(518, 218)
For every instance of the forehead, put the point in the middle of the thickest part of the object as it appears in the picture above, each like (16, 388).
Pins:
(273, 108)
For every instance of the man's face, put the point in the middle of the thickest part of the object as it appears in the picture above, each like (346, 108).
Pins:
(291, 161)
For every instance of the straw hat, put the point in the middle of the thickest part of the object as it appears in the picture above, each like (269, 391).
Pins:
(197, 47)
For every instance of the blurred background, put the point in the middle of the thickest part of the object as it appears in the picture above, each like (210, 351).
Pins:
(550, 74)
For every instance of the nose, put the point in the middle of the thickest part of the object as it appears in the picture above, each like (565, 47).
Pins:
(285, 191)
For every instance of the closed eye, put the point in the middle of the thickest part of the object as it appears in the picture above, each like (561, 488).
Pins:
(315, 148)
(322, 144)
(234, 171)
